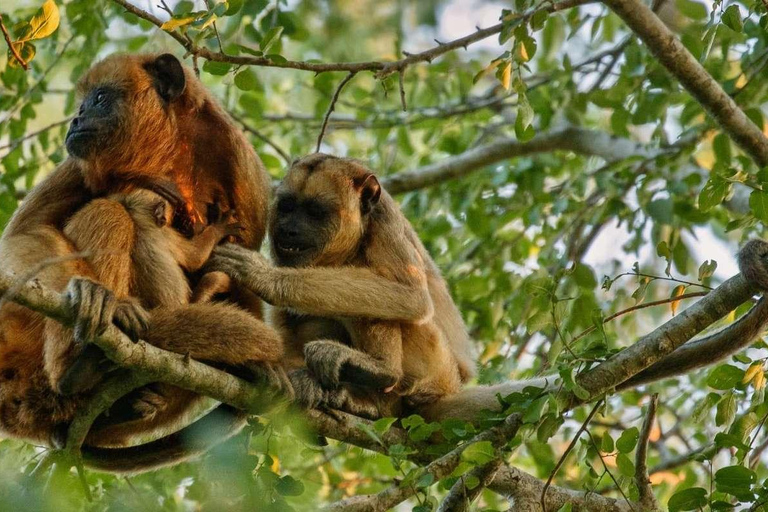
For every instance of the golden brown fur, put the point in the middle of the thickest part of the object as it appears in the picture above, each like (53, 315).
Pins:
(182, 137)
(358, 294)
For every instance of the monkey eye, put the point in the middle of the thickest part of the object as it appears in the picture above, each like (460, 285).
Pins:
(315, 211)
(286, 205)
(101, 97)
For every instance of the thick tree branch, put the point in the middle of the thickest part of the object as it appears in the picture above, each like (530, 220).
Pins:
(663, 340)
(153, 363)
(668, 49)
(582, 141)
(382, 69)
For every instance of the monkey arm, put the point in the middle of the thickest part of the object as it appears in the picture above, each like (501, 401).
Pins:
(325, 291)
(51, 202)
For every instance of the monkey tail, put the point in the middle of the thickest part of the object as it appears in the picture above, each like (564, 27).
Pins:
(467, 403)
(192, 441)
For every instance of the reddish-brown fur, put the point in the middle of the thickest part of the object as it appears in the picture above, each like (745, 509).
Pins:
(190, 142)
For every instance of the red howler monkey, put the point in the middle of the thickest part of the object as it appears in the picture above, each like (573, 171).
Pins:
(144, 120)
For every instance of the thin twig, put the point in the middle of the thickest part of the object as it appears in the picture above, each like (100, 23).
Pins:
(567, 451)
(258, 134)
(15, 143)
(644, 305)
(15, 52)
(401, 82)
(332, 106)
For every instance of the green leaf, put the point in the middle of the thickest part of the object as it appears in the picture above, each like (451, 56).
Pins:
(247, 80)
(735, 480)
(724, 377)
(607, 444)
(383, 425)
(43, 23)
(721, 145)
(425, 481)
(216, 68)
(628, 439)
(289, 486)
(625, 465)
(732, 18)
(707, 269)
(478, 453)
(270, 38)
(758, 203)
(713, 193)
(692, 9)
(234, 7)
(693, 498)
(726, 410)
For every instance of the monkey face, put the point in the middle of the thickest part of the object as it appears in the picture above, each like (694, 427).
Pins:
(96, 122)
(125, 109)
(321, 211)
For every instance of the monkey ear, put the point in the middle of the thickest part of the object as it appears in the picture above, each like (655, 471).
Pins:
(168, 75)
(370, 192)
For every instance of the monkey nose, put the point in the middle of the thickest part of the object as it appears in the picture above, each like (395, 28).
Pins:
(76, 122)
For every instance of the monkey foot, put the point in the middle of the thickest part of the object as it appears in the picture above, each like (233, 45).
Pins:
(333, 363)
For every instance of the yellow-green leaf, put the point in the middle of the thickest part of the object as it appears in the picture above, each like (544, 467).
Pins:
(43, 23)
(175, 23)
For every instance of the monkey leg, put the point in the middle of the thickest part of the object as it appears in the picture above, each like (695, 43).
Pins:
(222, 335)
(333, 363)
(105, 231)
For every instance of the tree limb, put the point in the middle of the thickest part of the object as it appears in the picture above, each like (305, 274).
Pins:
(582, 141)
(438, 468)
(668, 49)
(460, 497)
(382, 69)
(642, 480)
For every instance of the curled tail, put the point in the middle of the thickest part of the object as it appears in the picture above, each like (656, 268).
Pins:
(467, 403)
(192, 441)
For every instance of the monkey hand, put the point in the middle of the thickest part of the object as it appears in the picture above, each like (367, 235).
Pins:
(246, 267)
(333, 363)
(753, 263)
(94, 308)
(307, 390)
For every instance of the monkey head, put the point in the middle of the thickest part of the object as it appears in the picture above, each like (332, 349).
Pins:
(130, 115)
(321, 211)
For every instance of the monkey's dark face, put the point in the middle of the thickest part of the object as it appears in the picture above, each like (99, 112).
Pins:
(300, 228)
(321, 211)
(125, 115)
(96, 123)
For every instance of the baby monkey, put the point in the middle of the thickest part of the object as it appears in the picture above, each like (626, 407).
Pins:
(359, 300)
(160, 257)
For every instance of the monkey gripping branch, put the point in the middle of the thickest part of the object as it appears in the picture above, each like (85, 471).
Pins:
(664, 352)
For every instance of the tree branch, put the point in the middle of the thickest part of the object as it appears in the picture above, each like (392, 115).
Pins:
(439, 469)
(668, 49)
(382, 69)
(642, 480)
(578, 140)
(460, 497)
(13, 50)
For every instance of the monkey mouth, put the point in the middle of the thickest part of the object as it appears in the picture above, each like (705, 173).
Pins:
(290, 249)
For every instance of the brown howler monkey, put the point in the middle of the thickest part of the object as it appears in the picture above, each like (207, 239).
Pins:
(143, 120)
(361, 302)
